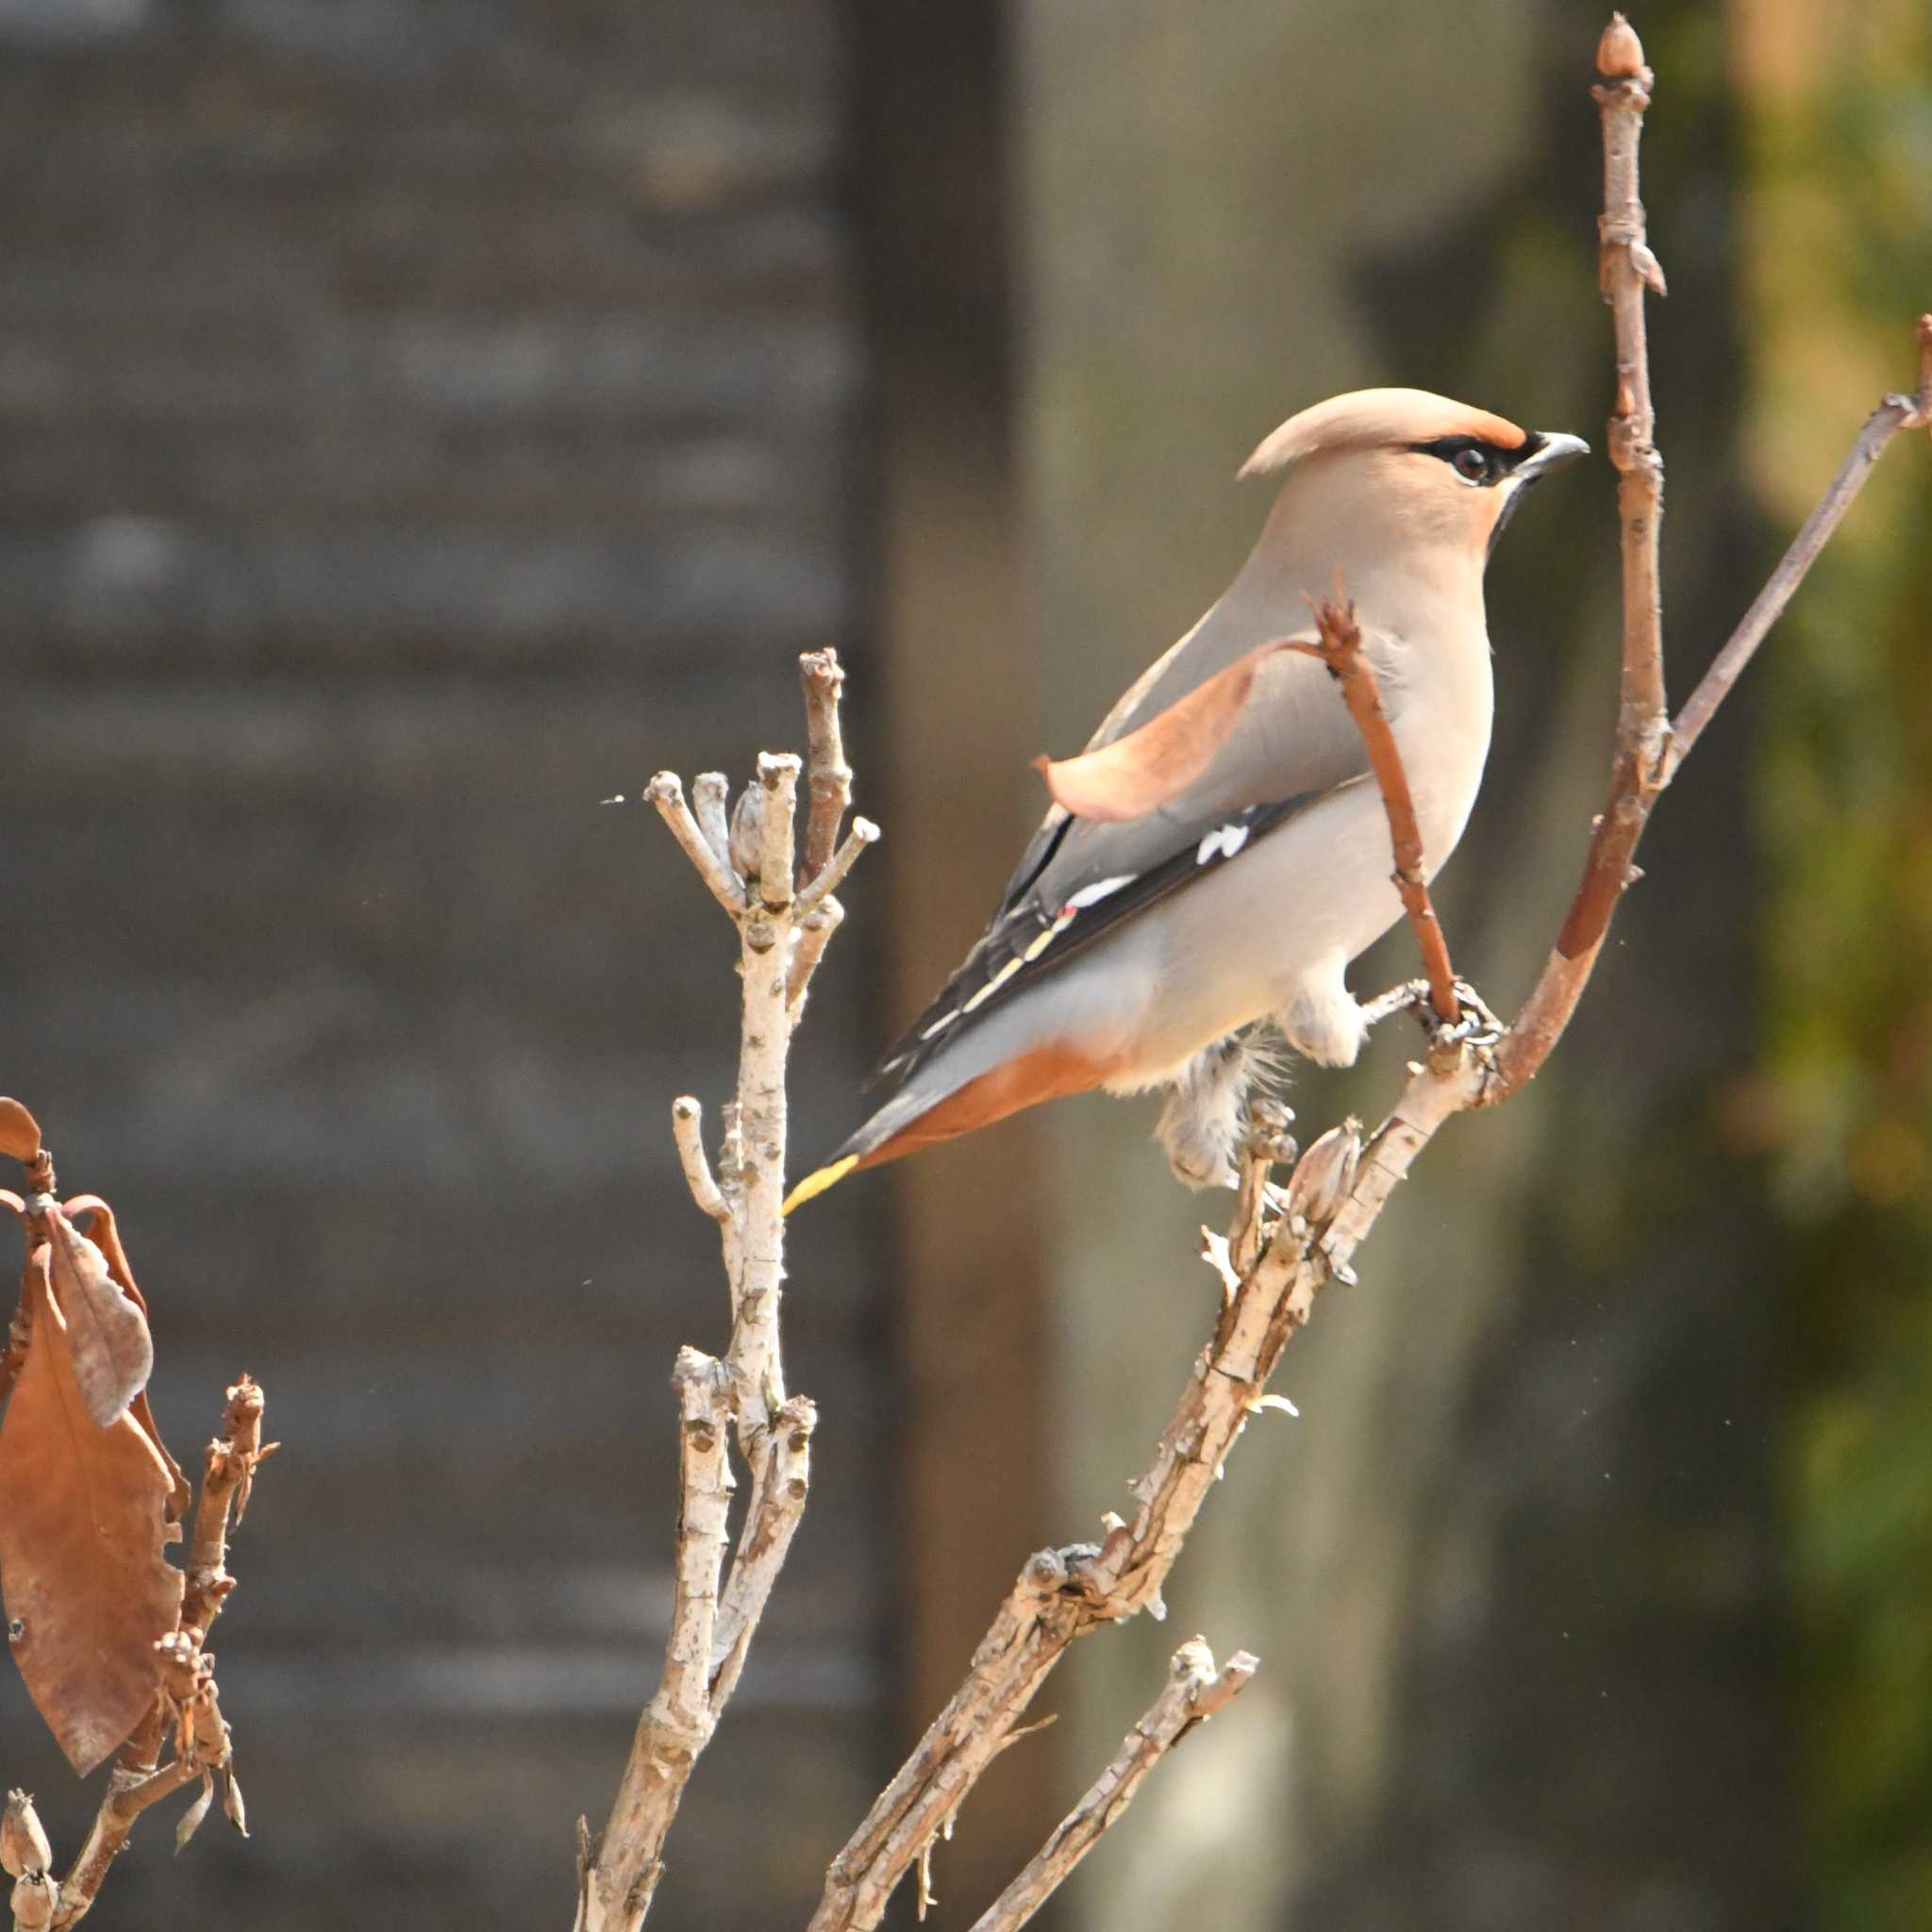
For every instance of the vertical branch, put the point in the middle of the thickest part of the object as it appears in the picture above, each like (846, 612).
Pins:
(677, 1723)
(1626, 270)
(138, 1780)
(764, 1041)
(1649, 748)
(748, 860)
(227, 1484)
(828, 777)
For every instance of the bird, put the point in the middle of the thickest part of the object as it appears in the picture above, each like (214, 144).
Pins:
(1220, 853)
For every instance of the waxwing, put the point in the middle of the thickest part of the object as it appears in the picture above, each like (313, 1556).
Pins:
(1219, 854)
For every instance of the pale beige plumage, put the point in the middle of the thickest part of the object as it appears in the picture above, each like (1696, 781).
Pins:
(1228, 855)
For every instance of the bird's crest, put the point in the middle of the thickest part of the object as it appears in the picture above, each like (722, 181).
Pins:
(1377, 419)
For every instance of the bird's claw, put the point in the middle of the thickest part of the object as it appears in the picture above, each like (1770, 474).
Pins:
(1478, 1028)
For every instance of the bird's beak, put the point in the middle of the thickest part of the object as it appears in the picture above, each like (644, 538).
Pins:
(1558, 450)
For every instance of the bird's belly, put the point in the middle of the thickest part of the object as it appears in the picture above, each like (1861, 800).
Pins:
(1245, 939)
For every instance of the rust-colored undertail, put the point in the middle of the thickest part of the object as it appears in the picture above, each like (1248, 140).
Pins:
(1048, 1073)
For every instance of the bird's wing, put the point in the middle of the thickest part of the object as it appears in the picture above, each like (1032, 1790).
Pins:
(1176, 797)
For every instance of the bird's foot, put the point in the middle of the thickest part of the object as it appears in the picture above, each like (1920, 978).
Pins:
(1477, 1026)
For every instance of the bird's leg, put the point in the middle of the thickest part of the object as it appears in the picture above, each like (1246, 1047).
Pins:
(1205, 1118)
(1406, 998)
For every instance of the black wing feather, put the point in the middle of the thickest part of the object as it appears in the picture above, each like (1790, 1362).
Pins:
(1026, 919)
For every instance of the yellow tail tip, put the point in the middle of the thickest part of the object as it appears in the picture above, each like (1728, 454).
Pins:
(815, 1184)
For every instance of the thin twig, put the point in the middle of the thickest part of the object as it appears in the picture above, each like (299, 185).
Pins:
(1896, 413)
(814, 935)
(777, 1505)
(227, 1484)
(709, 793)
(688, 1131)
(138, 1780)
(1340, 650)
(828, 777)
(666, 792)
(1626, 268)
(778, 780)
(1194, 1692)
(1268, 1145)
(832, 874)
(1646, 764)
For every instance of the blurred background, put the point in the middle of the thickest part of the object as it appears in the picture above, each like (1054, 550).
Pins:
(420, 420)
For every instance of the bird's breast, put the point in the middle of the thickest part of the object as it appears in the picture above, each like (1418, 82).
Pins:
(1441, 698)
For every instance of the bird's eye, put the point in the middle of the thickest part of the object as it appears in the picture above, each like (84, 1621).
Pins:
(1471, 465)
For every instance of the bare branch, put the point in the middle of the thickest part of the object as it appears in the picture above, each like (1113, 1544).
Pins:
(139, 1780)
(1646, 764)
(783, 1483)
(677, 1723)
(1195, 1691)
(828, 776)
(1626, 268)
(778, 780)
(688, 1130)
(709, 791)
(1340, 650)
(814, 935)
(781, 938)
(1268, 1143)
(227, 1483)
(1062, 1593)
(832, 876)
(666, 792)
(1894, 414)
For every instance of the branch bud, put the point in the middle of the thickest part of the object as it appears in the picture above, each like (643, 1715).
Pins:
(1620, 53)
(35, 1898)
(748, 831)
(24, 1845)
(1325, 1174)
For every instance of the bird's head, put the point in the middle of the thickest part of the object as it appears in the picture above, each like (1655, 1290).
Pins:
(1403, 464)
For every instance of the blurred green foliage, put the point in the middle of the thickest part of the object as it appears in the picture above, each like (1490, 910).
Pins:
(1838, 102)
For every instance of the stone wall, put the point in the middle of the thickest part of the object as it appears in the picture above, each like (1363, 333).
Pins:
(418, 422)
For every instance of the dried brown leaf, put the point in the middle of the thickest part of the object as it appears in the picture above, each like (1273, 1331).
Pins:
(82, 1527)
(105, 1232)
(113, 1353)
(20, 1133)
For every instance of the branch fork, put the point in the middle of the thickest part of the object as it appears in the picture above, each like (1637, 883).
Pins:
(1284, 1247)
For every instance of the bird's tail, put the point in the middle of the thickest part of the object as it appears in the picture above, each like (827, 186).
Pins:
(938, 1102)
